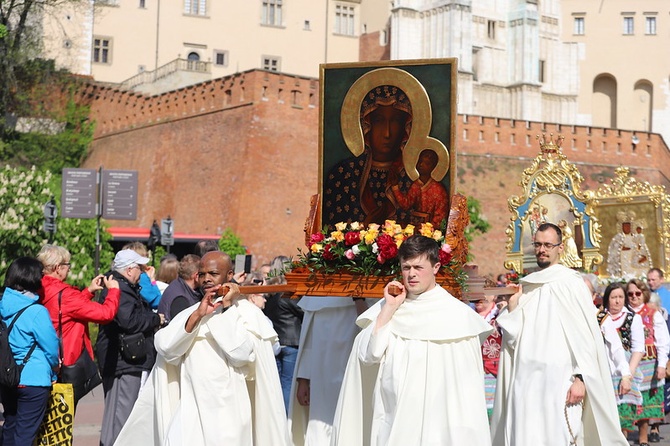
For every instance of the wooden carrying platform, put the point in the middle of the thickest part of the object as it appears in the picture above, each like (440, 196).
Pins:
(303, 282)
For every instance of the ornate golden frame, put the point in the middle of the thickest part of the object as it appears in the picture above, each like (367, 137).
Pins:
(625, 193)
(552, 175)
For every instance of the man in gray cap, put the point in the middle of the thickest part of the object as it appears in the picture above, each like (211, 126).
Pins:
(125, 347)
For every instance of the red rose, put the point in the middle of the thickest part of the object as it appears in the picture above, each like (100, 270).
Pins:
(352, 238)
(327, 254)
(387, 247)
(316, 238)
(445, 257)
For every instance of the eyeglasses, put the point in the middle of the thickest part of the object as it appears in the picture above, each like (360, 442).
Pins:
(65, 264)
(546, 245)
(634, 293)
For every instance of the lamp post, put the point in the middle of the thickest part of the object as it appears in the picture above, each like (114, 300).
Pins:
(50, 213)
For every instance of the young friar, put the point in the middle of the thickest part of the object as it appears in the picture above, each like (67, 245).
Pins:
(415, 374)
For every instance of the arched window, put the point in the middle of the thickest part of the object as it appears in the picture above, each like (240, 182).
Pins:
(193, 56)
(604, 103)
(643, 103)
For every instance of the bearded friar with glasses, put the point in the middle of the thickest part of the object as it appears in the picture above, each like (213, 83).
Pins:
(554, 384)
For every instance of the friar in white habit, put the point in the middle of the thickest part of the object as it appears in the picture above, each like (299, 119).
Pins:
(415, 374)
(215, 381)
(554, 384)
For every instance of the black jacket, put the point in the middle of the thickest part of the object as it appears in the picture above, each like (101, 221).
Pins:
(177, 297)
(286, 317)
(134, 316)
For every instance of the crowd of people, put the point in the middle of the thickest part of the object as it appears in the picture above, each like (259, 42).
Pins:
(189, 355)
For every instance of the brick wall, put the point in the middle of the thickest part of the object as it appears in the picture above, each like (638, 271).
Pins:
(242, 152)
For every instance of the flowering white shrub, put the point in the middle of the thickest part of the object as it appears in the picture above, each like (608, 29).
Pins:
(23, 194)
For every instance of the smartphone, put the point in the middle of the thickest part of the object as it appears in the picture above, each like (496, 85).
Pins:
(243, 263)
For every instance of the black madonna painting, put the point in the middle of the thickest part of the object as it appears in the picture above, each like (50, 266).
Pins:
(386, 145)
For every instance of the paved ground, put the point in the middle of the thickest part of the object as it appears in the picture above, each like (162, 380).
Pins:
(89, 416)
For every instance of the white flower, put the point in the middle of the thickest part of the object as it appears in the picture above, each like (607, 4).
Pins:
(375, 248)
(356, 250)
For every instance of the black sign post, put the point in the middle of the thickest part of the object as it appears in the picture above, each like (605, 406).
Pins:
(119, 194)
(80, 193)
(50, 214)
(114, 199)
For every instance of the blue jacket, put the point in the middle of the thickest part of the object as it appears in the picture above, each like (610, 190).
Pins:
(149, 291)
(34, 325)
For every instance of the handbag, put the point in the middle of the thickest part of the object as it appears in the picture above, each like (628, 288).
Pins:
(133, 347)
(83, 374)
(58, 422)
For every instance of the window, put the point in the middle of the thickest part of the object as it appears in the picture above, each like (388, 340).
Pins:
(143, 4)
(220, 58)
(271, 63)
(578, 26)
(491, 29)
(272, 10)
(650, 26)
(344, 20)
(102, 50)
(541, 72)
(628, 26)
(195, 7)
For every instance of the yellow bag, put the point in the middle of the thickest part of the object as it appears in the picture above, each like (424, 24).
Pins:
(58, 424)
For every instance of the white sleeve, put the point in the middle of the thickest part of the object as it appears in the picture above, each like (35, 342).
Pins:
(172, 342)
(229, 333)
(373, 346)
(661, 339)
(615, 349)
(637, 335)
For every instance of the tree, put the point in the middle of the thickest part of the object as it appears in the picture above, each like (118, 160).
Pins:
(231, 244)
(478, 225)
(20, 42)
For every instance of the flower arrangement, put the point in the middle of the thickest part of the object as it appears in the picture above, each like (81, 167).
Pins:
(369, 251)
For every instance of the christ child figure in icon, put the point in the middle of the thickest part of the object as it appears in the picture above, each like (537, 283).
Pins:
(426, 200)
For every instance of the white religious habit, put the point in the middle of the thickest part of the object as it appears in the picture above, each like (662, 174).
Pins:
(217, 385)
(551, 336)
(328, 332)
(419, 380)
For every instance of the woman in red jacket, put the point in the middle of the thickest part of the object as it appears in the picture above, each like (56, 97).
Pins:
(77, 308)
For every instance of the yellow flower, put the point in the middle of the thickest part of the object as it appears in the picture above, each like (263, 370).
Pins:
(409, 230)
(355, 226)
(316, 247)
(426, 229)
(399, 238)
(437, 235)
(371, 236)
(373, 227)
(341, 226)
(338, 236)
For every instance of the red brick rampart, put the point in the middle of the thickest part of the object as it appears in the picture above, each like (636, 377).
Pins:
(242, 152)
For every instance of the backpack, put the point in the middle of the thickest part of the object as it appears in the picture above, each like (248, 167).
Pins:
(10, 371)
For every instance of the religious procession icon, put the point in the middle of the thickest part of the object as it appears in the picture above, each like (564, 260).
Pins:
(637, 216)
(387, 171)
(552, 193)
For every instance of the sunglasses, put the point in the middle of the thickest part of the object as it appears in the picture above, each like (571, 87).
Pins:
(634, 293)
